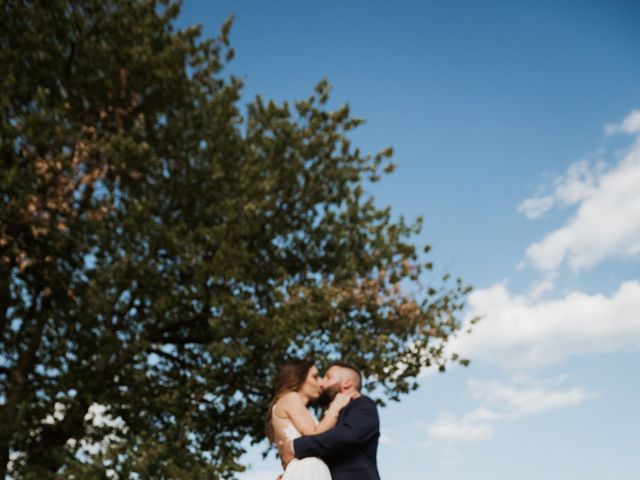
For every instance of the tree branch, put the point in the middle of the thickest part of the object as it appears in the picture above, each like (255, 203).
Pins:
(170, 357)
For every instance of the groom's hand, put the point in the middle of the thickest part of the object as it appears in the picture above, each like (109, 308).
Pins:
(286, 452)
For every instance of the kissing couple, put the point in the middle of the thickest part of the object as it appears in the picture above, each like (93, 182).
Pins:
(343, 444)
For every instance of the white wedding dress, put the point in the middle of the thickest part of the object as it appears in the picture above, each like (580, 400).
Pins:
(310, 468)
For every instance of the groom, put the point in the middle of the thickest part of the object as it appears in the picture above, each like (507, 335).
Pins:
(349, 448)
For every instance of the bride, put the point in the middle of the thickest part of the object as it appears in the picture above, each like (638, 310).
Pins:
(288, 418)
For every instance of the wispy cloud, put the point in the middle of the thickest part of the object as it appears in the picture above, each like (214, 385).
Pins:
(630, 125)
(502, 401)
(472, 427)
(526, 400)
(606, 223)
(576, 184)
(536, 206)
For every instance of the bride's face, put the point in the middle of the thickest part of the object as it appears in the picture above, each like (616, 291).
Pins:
(312, 386)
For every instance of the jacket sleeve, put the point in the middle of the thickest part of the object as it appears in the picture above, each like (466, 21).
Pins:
(358, 426)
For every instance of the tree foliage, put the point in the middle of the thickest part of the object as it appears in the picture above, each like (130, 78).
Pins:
(163, 250)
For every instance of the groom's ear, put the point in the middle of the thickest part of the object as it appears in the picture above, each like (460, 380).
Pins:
(347, 383)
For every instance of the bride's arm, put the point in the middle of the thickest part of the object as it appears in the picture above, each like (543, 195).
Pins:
(330, 417)
(291, 405)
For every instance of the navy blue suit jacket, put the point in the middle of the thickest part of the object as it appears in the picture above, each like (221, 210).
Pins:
(349, 448)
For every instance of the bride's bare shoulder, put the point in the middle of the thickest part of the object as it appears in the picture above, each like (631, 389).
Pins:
(289, 399)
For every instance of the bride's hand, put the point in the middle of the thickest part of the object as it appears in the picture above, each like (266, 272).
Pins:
(340, 401)
(285, 449)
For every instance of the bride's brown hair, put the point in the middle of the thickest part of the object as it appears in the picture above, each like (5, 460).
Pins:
(290, 378)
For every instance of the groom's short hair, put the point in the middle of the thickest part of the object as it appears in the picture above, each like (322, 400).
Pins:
(353, 368)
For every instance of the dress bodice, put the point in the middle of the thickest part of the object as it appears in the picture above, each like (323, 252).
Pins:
(290, 431)
(309, 468)
(287, 427)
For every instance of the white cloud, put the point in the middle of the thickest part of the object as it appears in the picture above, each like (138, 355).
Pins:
(630, 125)
(536, 206)
(508, 401)
(527, 400)
(468, 428)
(518, 332)
(577, 184)
(547, 284)
(526, 331)
(606, 223)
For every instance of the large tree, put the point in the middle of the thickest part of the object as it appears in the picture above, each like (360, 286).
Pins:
(163, 248)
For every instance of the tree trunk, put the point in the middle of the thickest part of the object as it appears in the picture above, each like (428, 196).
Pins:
(4, 452)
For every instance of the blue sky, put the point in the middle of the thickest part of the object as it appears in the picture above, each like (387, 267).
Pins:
(516, 130)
